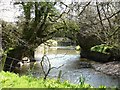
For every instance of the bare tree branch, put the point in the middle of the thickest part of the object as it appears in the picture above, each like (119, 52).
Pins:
(99, 15)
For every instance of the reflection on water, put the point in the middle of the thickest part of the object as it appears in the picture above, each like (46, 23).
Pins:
(72, 70)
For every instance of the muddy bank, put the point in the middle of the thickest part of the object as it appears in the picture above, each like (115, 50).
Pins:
(110, 68)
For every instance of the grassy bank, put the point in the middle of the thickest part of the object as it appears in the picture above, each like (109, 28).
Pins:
(11, 80)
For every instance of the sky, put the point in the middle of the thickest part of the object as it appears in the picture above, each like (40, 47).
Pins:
(8, 12)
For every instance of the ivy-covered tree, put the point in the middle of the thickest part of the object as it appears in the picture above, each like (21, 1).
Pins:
(36, 27)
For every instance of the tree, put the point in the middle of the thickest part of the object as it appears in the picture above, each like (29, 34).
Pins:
(98, 19)
(36, 27)
(98, 23)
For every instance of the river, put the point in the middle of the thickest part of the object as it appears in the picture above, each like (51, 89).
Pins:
(68, 61)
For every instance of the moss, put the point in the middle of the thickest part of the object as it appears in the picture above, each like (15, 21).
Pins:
(101, 48)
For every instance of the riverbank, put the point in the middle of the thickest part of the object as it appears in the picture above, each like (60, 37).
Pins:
(110, 68)
(12, 80)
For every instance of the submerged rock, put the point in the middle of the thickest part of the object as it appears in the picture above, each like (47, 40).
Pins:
(85, 65)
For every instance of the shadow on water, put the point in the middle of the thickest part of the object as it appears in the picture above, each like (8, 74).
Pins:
(74, 67)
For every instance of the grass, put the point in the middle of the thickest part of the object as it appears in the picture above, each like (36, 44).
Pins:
(12, 80)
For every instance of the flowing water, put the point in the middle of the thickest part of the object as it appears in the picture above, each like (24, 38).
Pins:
(68, 61)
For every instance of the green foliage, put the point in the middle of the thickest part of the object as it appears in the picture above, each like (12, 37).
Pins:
(101, 48)
(67, 28)
(82, 80)
(39, 28)
(11, 80)
(35, 27)
(9, 34)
